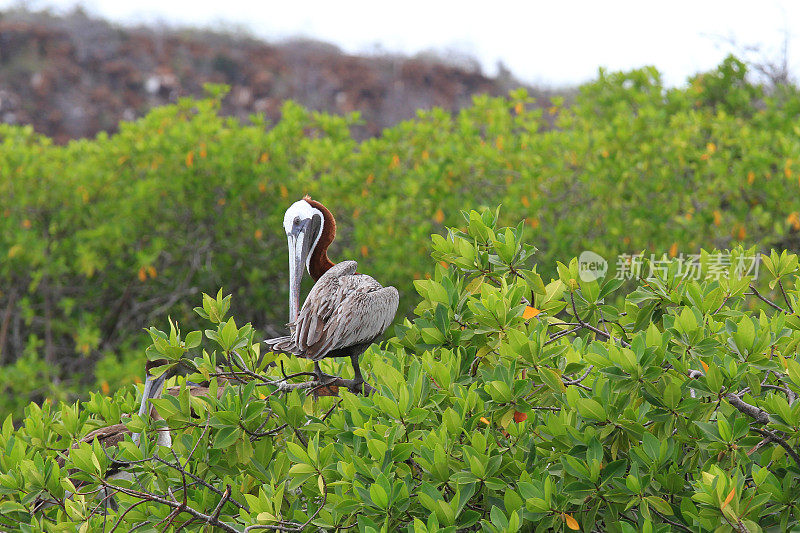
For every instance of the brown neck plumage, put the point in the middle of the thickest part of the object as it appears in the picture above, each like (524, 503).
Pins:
(320, 262)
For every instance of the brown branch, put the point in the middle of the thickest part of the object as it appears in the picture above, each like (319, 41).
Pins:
(555, 336)
(756, 413)
(200, 481)
(173, 504)
(775, 438)
(578, 380)
(786, 297)
(591, 327)
(129, 509)
(670, 522)
(766, 300)
(218, 509)
(761, 417)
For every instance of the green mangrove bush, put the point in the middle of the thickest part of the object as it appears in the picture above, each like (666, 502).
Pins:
(508, 403)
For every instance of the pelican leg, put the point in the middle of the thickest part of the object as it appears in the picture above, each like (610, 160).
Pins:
(357, 385)
(358, 379)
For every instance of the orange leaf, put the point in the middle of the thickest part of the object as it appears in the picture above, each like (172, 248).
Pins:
(151, 271)
(26, 224)
(673, 250)
(519, 108)
(257, 234)
(444, 264)
(534, 222)
(525, 201)
(530, 312)
(395, 161)
(711, 148)
(356, 213)
(439, 216)
(485, 421)
(604, 153)
(189, 159)
(370, 179)
(284, 192)
(104, 387)
(751, 177)
(364, 250)
(571, 522)
(264, 158)
(520, 417)
(262, 187)
(717, 218)
(142, 274)
(425, 155)
(705, 366)
(794, 220)
(731, 494)
(742, 233)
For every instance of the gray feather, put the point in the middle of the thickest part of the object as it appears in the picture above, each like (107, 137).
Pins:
(343, 309)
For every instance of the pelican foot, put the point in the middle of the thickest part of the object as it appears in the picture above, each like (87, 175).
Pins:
(357, 386)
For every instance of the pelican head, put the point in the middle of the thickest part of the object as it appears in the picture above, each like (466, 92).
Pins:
(154, 385)
(303, 225)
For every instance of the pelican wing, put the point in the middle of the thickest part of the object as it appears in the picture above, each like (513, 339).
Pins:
(343, 309)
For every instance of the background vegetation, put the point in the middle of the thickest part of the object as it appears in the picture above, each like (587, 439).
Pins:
(100, 238)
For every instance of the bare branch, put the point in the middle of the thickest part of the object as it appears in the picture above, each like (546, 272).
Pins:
(591, 327)
(173, 504)
(786, 297)
(765, 300)
(756, 413)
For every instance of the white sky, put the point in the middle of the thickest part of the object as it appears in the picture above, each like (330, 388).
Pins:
(549, 43)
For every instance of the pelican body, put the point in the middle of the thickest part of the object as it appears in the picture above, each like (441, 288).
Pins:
(111, 436)
(345, 311)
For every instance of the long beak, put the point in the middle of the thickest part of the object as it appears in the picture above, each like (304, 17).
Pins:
(298, 251)
(153, 387)
(152, 390)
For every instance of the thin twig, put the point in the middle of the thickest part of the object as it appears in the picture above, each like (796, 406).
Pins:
(173, 504)
(298, 527)
(775, 438)
(670, 522)
(761, 417)
(578, 380)
(591, 327)
(218, 509)
(555, 336)
(766, 300)
(786, 297)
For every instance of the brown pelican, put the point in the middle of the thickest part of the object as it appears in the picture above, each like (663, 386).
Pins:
(345, 311)
(109, 437)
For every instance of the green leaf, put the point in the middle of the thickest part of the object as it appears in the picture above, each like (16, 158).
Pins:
(591, 409)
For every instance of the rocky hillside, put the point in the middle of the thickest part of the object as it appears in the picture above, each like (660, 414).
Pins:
(75, 75)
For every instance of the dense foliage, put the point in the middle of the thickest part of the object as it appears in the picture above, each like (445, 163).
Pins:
(100, 237)
(507, 404)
